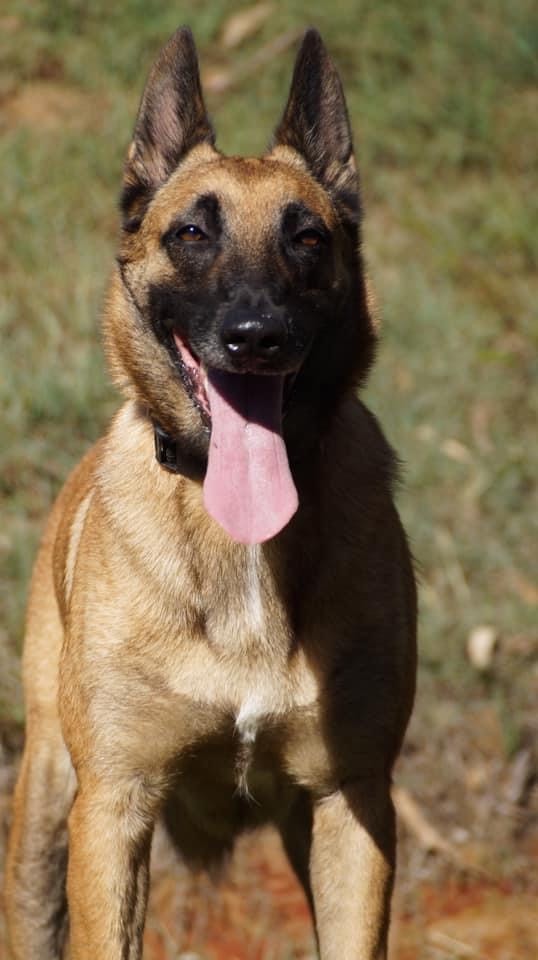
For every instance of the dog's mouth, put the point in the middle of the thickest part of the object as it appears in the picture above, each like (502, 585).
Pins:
(194, 376)
(248, 487)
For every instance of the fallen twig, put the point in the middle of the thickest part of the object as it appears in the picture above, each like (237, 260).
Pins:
(220, 81)
(456, 947)
(416, 821)
(241, 25)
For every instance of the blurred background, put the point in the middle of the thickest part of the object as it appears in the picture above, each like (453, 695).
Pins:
(444, 100)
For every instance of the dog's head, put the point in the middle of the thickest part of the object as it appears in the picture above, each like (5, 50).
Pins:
(240, 303)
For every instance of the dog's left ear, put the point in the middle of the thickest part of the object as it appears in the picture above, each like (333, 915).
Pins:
(172, 119)
(316, 123)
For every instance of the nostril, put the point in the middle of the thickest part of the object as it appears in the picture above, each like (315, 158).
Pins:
(236, 344)
(270, 344)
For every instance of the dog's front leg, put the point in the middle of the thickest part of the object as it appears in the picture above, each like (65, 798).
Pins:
(110, 831)
(352, 867)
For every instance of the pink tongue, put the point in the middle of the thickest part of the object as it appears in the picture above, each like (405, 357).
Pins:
(248, 487)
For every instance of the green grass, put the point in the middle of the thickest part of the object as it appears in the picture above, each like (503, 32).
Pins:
(443, 101)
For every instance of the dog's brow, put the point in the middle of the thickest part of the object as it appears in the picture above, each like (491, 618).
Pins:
(296, 212)
(206, 208)
(208, 203)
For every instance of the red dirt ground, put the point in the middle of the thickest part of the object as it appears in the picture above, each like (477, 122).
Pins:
(258, 912)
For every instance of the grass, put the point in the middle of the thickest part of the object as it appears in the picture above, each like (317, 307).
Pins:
(443, 101)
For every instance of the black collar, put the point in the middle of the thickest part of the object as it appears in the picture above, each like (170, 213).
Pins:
(166, 450)
(170, 455)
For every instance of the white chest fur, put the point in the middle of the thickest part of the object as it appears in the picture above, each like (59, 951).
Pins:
(249, 716)
(253, 593)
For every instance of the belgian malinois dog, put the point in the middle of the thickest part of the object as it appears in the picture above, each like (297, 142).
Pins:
(221, 627)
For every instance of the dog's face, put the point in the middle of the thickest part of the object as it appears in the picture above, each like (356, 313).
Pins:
(237, 267)
(241, 296)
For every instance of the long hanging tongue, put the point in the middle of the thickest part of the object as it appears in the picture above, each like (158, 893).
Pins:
(248, 487)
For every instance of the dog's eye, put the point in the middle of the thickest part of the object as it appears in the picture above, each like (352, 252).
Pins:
(308, 238)
(190, 234)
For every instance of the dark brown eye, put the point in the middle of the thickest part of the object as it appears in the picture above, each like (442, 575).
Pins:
(308, 238)
(190, 234)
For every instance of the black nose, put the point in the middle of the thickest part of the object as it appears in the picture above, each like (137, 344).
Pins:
(248, 337)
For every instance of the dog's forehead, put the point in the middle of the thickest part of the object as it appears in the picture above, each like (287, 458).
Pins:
(252, 192)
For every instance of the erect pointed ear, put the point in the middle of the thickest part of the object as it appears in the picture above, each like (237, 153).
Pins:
(316, 123)
(171, 120)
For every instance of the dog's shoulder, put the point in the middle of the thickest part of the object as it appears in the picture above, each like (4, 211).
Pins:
(357, 452)
(67, 518)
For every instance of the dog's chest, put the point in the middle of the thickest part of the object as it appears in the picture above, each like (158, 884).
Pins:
(246, 677)
(248, 607)
(244, 725)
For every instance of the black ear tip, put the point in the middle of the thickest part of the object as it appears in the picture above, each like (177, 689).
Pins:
(312, 36)
(312, 43)
(183, 40)
(185, 34)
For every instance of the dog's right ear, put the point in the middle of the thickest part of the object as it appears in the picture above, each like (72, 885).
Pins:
(316, 124)
(172, 119)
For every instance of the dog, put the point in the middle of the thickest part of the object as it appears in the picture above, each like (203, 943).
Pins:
(221, 624)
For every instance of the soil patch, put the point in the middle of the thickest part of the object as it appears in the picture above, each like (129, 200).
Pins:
(49, 107)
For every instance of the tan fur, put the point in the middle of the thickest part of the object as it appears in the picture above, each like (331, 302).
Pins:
(170, 670)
